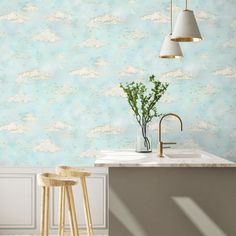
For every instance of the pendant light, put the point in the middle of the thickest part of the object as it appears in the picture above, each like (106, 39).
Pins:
(170, 49)
(186, 28)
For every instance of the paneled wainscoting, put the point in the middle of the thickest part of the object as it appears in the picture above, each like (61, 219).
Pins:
(20, 202)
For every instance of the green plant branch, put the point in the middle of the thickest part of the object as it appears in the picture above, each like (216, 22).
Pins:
(142, 103)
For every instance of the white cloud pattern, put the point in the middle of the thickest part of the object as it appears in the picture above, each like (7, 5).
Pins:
(34, 74)
(114, 91)
(230, 43)
(46, 36)
(101, 62)
(233, 24)
(13, 128)
(105, 130)
(30, 7)
(204, 16)
(20, 98)
(59, 126)
(14, 17)
(203, 126)
(167, 99)
(91, 43)
(136, 34)
(29, 117)
(210, 89)
(59, 16)
(130, 70)
(178, 74)
(229, 72)
(46, 146)
(157, 17)
(85, 72)
(91, 153)
(104, 20)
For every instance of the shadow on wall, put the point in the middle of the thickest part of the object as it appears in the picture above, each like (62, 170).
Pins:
(172, 201)
(198, 217)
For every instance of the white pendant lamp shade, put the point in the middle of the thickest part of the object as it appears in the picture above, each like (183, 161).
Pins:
(186, 28)
(170, 49)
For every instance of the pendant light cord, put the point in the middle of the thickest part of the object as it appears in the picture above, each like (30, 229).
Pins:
(186, 4)
(171, 17)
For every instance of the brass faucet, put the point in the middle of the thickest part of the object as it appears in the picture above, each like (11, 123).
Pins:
(167, 143)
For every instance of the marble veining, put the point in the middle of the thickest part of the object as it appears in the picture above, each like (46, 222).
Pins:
(172, 158)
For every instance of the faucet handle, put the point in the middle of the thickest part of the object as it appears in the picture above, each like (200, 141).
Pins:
(169, 143)
(162, 146)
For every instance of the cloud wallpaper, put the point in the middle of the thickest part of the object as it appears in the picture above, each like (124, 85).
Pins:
(61, 63)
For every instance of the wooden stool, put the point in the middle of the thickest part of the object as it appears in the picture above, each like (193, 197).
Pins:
(47, 180)
(76, 172)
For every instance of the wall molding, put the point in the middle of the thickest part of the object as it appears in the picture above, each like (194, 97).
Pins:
(32, 224)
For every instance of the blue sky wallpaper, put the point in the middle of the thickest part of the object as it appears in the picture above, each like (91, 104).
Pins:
(61, 63)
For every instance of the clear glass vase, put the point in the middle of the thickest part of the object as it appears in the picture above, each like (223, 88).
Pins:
(143, 141)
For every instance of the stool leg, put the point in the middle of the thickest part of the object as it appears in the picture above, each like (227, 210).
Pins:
(47, 210)
(73, 210)
(86, 207)
(61, 211)
(70, 211)
(42, 211)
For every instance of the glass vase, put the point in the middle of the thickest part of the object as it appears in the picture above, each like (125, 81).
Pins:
(143, 141)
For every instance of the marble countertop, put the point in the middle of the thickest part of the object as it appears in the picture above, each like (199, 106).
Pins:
(172, 158)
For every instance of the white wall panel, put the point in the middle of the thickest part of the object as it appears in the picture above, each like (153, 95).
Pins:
(17, 201)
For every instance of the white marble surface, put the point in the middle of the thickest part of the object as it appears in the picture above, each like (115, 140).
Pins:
(176, 158)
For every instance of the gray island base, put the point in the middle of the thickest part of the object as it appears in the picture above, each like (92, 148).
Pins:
(195, 197)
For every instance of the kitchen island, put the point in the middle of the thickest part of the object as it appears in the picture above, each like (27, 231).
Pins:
(185, 193)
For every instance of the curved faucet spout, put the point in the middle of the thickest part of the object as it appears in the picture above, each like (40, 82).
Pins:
(160, 122)
(169, 114)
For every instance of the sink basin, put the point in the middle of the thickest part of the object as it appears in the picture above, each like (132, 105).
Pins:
(184, 155)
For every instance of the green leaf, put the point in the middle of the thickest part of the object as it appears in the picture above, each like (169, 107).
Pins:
(143, 102)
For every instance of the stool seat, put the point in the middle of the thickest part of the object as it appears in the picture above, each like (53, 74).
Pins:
(54, 180)
(71, 171)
